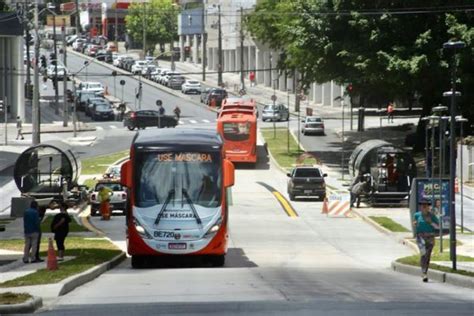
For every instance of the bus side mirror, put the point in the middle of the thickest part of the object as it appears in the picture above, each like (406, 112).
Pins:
(126, 174)
(228, 173)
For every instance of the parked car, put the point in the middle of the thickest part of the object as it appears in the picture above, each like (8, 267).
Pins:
(176, 81)
(113, 172)
(166, 78)
(102, 111)
(191, 86)
(91, 50)
(82, 99)
(95, 87)
(111, 47)
(51, 73)
(128, 63)
(70, 39)
(313, 125)
(277, 112)
(138, 66)
(118, 60)
(104, 55)
(118, 198)
(148, 118)
(78, 44)
(306, 181)
(148, 71)
(91, 102)
(162, 76)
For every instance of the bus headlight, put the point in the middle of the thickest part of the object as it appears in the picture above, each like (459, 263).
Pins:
(141, 230)
(214, 229)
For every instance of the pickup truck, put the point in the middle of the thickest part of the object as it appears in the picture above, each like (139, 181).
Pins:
(118, 198)
(306, 181)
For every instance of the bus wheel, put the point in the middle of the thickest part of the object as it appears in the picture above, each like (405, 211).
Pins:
(138, 262)
(217, 261)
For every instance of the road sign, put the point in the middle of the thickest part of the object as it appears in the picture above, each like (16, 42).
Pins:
(122, 82)
(274, 98)
(159, 102)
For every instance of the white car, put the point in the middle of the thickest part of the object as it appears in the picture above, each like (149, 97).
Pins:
(148, 70)
(116, 60)
(163, 75)
(95, 87)
(78, 43)
(118, 197)
(169, 74)
(138, 66)
(51, 72)
(191, 86)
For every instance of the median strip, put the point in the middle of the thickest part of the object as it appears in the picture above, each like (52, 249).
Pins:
(289, 210)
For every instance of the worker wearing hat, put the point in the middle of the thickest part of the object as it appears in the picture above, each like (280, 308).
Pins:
(425, 223)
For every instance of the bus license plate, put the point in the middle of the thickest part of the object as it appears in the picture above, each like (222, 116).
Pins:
(308, 191)
(177, 246)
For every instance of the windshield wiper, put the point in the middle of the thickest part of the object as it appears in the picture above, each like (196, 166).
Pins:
(163, 208)
(191, 205)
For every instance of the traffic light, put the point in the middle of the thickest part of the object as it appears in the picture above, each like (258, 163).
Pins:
(350, 88)
(52, 58)
(29, 91)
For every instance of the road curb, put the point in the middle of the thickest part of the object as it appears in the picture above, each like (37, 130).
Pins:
(29, 306)
(77, 280)
(443, 277)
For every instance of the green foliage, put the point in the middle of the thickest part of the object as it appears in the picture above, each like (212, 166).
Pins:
(98, 165)
(10, 298)
(159, 17)
(278, 147)
(389, 224)
(384, 54)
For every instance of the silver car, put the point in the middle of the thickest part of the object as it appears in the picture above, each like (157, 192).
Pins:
(313, 125)
(277, 112)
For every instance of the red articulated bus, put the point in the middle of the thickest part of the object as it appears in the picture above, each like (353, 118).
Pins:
(237, 124)
(177, 206)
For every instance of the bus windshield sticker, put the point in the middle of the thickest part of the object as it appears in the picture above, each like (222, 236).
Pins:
(186, 157)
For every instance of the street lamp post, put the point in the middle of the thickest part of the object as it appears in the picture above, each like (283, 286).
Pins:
(55, 80)
(452, 46)
(461, 120)
(342, 141)
(288, 122)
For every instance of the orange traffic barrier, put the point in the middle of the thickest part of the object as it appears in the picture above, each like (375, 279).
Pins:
(325, 209)
(52, 262)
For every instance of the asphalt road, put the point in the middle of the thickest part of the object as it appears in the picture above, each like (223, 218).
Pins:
(276, 265)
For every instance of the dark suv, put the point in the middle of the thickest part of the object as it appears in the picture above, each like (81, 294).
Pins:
(306, 181)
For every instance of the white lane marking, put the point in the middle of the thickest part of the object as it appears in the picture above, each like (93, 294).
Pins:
(99, 128)
(181, 122)
(192, 121)
(112, 126)
(206, 121)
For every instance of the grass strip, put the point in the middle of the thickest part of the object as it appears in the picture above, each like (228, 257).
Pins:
(87, 252)
(98, 165)
(436, 255)
(389, 224)
(74, 227)
(9, 298)
(277, 144)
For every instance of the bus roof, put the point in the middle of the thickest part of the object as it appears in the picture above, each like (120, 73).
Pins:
(239, 101)
(172, 136)
(237, 115)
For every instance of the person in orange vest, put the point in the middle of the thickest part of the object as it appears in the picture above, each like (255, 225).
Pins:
(390, 112)
(252, 78)
(104, 196)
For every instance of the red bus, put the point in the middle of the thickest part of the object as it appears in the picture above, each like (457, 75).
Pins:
(239, 104)
(238, 128)
(177, 182)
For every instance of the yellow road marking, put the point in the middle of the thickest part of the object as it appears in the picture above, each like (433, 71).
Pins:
(286, 206)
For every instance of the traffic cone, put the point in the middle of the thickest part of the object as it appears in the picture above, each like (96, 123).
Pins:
(325, 209)
(52, 262)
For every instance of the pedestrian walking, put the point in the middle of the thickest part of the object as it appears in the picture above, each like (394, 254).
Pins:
(252, 78)
(425, 224)
(31, 226)
(19, 128)
(390, 111)
(177, 112)
(358, 187)
(104, 196)
(126, 47)
(60, 228)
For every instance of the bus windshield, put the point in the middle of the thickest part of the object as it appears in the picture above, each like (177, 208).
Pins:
(183, 177)
(236, 131)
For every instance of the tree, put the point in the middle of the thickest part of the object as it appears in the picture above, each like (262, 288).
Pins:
(3, 6)
(158, 17)
(387, 49)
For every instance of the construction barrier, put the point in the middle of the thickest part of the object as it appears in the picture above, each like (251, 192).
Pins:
(52, 262)
(339, 204)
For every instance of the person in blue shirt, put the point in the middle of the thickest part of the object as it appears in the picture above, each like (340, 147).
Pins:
(425, 224)
(31, 225)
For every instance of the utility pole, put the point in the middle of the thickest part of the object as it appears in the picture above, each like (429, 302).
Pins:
(219, 49)
(55, 80)
(242, 76)
(65, 104)
(36, 109)
(74, 111)
(144, 30)
(28, 59)
(116, 25)
(78, 24)
(203, 40)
